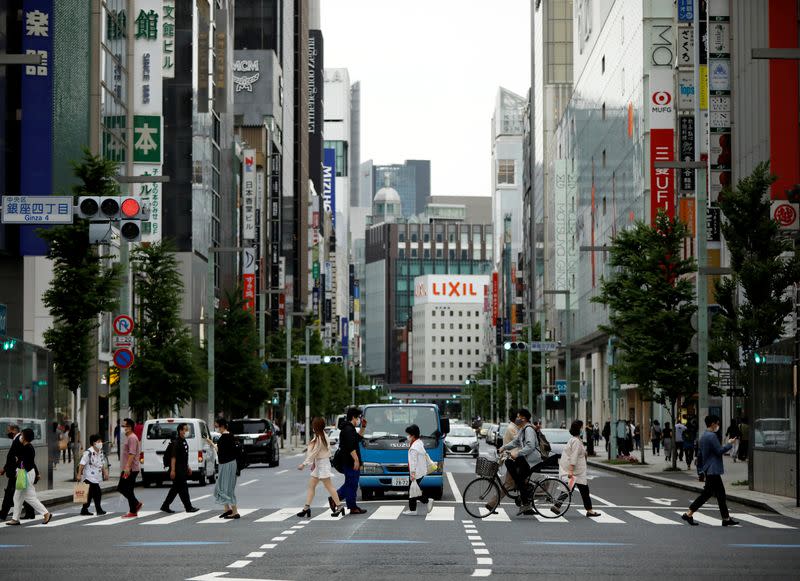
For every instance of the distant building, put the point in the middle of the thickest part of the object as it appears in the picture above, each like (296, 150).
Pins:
(411, 179)
(478, 208)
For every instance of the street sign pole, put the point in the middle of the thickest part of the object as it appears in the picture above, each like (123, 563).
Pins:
(308, 386)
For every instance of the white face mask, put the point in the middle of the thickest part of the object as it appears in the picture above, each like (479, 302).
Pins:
(99, 446)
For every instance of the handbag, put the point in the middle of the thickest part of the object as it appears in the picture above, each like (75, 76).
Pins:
(62, 444)
(80, 493)
(22, 478)
(414, 490)
(432, 466)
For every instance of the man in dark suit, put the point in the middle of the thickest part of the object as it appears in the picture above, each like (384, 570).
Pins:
(10, 470)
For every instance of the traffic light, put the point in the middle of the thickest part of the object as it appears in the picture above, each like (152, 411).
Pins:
(759, 358)
(9, 344)
(88, 207)
(129, 211)
(335, 359)
(515, 346)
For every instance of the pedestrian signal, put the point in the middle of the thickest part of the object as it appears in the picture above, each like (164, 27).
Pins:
(515, 346)
(333, 359)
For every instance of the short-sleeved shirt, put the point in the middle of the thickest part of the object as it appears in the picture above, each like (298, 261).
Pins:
(131, 447)
(679, 430)
(93, 462)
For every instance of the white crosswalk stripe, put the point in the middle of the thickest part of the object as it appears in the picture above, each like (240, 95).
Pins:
(172, 518)
(604, 518)
(67, 520)
(280, 515)
(760, 521)
(501, 516)
(119, 520)
(704, 518)
(441, 513)
(216, 520)
(651, 517)
(387, 512)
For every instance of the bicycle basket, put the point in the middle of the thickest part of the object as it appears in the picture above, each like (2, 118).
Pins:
(486, 467)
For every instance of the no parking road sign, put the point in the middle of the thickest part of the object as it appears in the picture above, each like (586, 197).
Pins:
(123, 325)
(123, 358)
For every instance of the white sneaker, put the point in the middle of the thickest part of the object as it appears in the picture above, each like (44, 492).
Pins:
(430, 505)
(409, 513)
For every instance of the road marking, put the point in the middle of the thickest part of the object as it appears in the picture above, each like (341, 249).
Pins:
(478, 544)
(276, 539)
(279, 515)
(481, 572)
(249, 482)
(651, 517)
(501, 516)
(764, 546)
(64, 521)
(481, 551)
(662, 501)
(454, 487)
(201, 497)
(281, 472)
(372, 542)
(172, 543)
(604, 518)
(541, 518)
(119, 519)
(579, 543)
(223, 575)
(386, 512)
(239, 564)
(605, 502)
(255, 555)
(215, 520)
(637, 485)
(326, 516)
(484, 560)
(13, 546)
(268, 546)
(474, 537)
(466, 521)
(760, 521)
(288, 532)
(441, 513)
(703, 518)
(171, 518)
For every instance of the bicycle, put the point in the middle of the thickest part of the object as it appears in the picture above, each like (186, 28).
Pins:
(551, 496)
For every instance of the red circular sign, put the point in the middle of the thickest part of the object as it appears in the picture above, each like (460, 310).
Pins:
(785, 215)
(662, 98)
(123, 325)
(123, 358)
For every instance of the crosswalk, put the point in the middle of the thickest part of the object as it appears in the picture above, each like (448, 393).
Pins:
(393, 512)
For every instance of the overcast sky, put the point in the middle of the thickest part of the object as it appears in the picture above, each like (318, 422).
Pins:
(429, 72)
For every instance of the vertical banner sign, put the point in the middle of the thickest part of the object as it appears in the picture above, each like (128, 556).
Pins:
(352, 289)
(662, 142)
(686, 144)
(495, 301)
(345, 337)
(562, 229)
(685, 10)
(249, 175)
(316, 88)
(168, 40)
(36, 135)
(719, 104)
(329, 183)
(249, 279)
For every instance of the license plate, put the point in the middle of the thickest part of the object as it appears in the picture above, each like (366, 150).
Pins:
(399, 481)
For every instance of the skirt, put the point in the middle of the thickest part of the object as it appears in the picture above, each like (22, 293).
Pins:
(322, 468)
(225, 489)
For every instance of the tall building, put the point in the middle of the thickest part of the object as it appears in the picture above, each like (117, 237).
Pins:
(478, 209)
(411, 179)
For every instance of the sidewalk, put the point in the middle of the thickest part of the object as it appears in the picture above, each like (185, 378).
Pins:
(734, 478)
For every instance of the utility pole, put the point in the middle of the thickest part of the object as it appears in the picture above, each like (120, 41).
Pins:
(308, 385)
(288, 411)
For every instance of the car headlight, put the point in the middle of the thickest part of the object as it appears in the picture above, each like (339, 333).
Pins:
(371, 468)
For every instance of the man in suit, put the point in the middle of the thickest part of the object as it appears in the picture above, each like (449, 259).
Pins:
(10, 470)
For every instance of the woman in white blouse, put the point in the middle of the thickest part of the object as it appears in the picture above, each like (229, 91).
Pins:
(319, 457)
(572, 467)
(417, 469)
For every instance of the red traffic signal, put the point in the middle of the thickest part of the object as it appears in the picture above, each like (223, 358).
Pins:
(130, 208)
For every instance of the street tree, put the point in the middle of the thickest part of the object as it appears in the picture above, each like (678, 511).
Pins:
(84, 284)
(240, 380)
(765, 265)
(651, 302)
(169, 369)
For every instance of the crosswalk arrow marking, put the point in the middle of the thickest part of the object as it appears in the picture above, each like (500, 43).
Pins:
(637, 485)
(224, 576)
(663, 501)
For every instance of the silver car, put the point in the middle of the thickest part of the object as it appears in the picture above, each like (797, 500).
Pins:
(461, 440)
(558, 438)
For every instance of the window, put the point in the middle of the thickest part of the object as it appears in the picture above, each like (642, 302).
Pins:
(451, 352)
(414, 253)
(433, 364)
(434, 377)
(451, 378)
(460, 326)
(441, 351)
(442, 338)
(460, 313)
(505, 172)
(451, 339)
(341, 156)
(469, 339)
(460, 351)
(433, 339)
(452, 365)
(402, 254)
(401, 237)
(451, 325)
(426, 253)
(451, 313)
(477, 340)
(461, 364)
(439, 253)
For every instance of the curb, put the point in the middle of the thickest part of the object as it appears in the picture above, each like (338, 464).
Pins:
(686, 486)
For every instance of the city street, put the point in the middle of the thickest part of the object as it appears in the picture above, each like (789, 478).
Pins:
(639, 533)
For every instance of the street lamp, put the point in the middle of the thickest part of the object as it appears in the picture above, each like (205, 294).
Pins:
(568, 351)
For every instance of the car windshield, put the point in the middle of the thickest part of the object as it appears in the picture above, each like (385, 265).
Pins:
(461, 432)
(393, 420)
(556, 436)
(159, 431)
(248, 427)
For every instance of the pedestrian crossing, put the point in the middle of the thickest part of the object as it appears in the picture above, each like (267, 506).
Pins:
(393, 512)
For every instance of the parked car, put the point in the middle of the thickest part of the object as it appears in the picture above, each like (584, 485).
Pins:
(333, 435)
(461, 440)
(558, 438)
(156, 436)
(259, 440)
(499, 433)
(485, 427)
(491, 434)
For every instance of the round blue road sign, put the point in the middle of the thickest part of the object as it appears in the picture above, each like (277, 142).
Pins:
(123, 358)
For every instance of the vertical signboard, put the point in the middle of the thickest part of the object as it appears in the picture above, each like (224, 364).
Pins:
(249, 175)
(36, 125)
(686, 150)
(662, 142)
(565, 224)
(316, 116)
(351, 288)
(495, 298)
(329, 183)
(168, 40)
(345, 337)
(249, 279)
(719, 111)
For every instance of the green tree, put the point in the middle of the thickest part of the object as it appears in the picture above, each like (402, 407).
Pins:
(764, 264)
(168, 371)
(82, 286)
(241, 387)
(651, 301)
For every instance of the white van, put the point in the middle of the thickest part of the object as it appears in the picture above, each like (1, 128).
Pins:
(156, 436)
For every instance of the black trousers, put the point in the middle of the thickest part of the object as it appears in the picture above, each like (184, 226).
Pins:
(180, 487)
(519, 469)
(8, 499)
(412, 502)
(587, 500)
(95, 495)
(713, 487)
(125, 488)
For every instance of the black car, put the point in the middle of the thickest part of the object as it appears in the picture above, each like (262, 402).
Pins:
(259, 439)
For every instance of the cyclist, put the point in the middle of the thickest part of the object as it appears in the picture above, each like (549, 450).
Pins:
(528, 455)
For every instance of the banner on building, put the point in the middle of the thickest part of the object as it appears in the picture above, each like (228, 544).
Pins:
(249, 175)
(495, 300)
(686, 149)
(565, 189)
(345, 337)
(329, 183)
(661, 106)
(249, 279)
(168, 40)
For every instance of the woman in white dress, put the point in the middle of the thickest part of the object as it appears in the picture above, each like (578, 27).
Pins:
(572, 467)
(318, 456)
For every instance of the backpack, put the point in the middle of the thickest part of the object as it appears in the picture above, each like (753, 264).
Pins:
(167, 458)
(241, 459)
(544, 445)
(337, 461)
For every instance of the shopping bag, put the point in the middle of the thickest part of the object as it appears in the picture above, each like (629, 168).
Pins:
(432, 466)
(414, 491)
(80, 493)
(22, 479)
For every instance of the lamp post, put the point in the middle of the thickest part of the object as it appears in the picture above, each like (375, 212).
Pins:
(568, 350)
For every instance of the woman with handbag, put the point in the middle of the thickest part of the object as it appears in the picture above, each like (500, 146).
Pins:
(93, 471)
(26, 478)
(225, 488)
(417, 470)
(319, 457)
(572, 468)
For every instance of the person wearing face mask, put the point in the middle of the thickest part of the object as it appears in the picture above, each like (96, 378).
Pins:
(26, 460)
(711, 452)
(528, 456)
(10, 470)
(349, 444)
(92, 471)
(130, 468)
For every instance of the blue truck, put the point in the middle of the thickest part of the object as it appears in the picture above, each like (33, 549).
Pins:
(384, 449)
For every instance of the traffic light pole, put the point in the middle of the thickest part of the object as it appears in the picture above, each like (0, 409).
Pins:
(308, 385)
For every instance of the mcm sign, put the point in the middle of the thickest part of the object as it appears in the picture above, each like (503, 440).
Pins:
(245, 83)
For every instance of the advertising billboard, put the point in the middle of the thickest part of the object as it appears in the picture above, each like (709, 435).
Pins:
(450, 289)
(661, 108)
(329, 183)
(249, 175)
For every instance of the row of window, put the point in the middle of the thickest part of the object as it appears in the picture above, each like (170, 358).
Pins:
(444, 378)
(452, 339)
(441, 352)
(460, 313)
(451, 254)
(460, 325)
(452, 364)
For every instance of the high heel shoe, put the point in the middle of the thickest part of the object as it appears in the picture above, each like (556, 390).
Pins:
(338, 511)
(306, 512)
(226, 514)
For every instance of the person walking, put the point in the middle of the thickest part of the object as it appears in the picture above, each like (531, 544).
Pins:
(734, 433)
(589, 436)
(689, 437)
(26, 461)
(710, 456)
(92, 471)
(666, 438)
(637, 436)
(607, 435)
(417, 470)
(680, 428)
(179, 472)
(225, 487)
(596, 434)
(10, 471)
(349, 440)
(63, 442)
(318, 457)
(744, 440)
(129, 462)
(655, 437)
(52, 445)
(572, 468)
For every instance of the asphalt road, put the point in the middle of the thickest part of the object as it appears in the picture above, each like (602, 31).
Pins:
(640, 535)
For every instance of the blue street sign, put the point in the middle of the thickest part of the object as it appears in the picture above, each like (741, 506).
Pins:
(561, 386)
(3, 311)
(123, 358)
(685, 10)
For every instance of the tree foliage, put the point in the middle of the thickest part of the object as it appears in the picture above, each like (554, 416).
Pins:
(651, 303)
(764, 266)
(82, 286)
(169, 370)
(240, 384)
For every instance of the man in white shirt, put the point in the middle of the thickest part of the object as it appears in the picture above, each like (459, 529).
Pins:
(680, 428)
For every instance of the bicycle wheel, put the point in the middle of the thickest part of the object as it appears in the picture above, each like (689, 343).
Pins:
(551, 498)
(481, 497)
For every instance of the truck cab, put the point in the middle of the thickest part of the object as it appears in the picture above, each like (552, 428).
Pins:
(384, 449)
